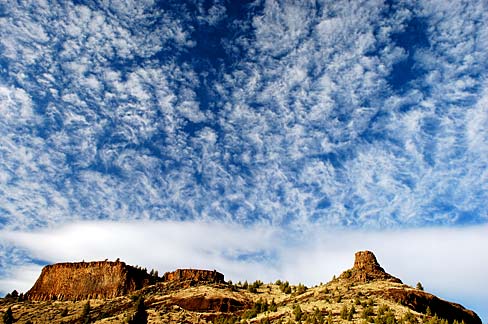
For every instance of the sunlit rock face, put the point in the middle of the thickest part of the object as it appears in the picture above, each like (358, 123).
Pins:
(87, 280)
(366, 268)
(194, 274)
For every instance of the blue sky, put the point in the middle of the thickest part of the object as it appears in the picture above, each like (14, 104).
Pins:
(301, 118)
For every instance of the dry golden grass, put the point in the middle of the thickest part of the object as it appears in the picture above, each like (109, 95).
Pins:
(328, 298)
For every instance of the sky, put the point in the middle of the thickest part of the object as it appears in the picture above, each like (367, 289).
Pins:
(266, 139)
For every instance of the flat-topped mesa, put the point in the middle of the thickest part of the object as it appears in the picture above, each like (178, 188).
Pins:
(194, 275)
(366, 268)
(87, 280)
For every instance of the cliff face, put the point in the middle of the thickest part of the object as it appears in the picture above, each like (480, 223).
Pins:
(419, 301)
(195, 275)
(86, 280)
(366, 268)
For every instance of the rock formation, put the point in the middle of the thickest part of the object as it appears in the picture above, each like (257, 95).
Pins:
(419, 301)
(194, 275)
(366, 268)
(86, 280)
(202, 296)
(209, 303)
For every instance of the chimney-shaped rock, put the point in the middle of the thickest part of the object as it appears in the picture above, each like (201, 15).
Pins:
(366, 268)
(366, 261)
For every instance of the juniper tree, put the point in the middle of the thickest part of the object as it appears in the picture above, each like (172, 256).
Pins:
(8, 317)
(140, 315)
(419, 286)
(85, 315)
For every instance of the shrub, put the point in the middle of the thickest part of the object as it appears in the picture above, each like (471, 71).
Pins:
(140, 314)
(352, 311)
(259, 307)
(224, 319)
(301, 289)
(329, 318)
(383, 309)
(273, 307)
(419, 286)
(297, 312)
(386, 318)
(317, 317)
(8, 317)
(409, 318)
(285, 287)
(250, 313)
(367, 312)
(85, 314)
(344, 312)
(265, 321)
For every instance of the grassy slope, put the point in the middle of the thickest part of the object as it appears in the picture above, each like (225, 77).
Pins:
(326, 299)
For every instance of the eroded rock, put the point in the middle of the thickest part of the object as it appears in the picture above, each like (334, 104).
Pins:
(195, 275)
(366, 268)
(419, 301)
(87, 280)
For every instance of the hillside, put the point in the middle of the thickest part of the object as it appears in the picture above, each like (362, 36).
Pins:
(363, 294)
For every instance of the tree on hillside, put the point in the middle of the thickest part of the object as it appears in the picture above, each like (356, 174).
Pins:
(344, 312)
(419, 286)
(140, 315)
(8, 317)
(85, 315)
(297, 312)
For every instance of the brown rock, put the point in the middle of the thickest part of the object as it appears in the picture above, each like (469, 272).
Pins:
(194, 275)
(87, 280)
(366, 268)
(418, 301)
(210, 304)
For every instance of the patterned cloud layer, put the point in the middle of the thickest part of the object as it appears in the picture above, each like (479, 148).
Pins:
(298, 114)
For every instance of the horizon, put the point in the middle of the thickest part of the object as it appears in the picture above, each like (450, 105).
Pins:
(255, 253)
(265, 137)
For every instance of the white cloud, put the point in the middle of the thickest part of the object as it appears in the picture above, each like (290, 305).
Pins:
(319, 95)
(438, 257)
(215, 14)
(16, 106)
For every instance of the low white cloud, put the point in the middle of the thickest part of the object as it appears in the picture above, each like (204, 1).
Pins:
(448, 262)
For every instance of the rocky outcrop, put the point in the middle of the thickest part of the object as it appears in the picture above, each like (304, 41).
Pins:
(194, 275)
(210, 304)
(366, 268)
(87, 280)
(419, 301)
